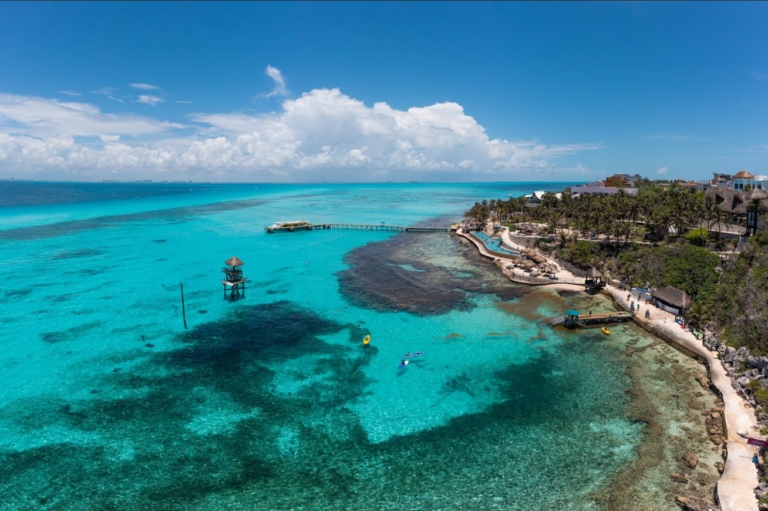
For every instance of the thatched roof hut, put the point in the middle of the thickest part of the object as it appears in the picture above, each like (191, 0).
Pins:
(528, 264)
(672, 296)
(538, 258)
(594, 273)
(234, 261)
(755, 194)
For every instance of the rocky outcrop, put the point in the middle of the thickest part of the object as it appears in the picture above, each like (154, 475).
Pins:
(761, 492)
(690, 504)
(748, 374)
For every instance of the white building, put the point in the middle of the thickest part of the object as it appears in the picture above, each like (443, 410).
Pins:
(600, 188)
(743, 179)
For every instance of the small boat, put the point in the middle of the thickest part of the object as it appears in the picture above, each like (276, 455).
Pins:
(367, 340)
(403, 364)
(414, 354)
(295, 225)
(606, 331)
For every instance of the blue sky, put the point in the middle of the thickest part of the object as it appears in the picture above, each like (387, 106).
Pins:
(344, 91)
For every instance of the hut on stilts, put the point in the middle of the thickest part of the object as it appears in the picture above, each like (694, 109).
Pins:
(233, 278)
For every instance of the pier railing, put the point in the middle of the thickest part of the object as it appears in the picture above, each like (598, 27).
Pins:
(380, 227)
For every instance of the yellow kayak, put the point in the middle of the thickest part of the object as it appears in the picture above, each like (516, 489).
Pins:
(367, 339)
(606, 331)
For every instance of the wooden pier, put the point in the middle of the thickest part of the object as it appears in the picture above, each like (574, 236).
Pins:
(572, 319)
(376, 227)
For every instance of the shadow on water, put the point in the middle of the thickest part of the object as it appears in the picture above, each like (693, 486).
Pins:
(168, 215)
(400, 274)
(205, 425)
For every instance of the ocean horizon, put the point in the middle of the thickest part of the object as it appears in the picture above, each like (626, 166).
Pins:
(272, 401)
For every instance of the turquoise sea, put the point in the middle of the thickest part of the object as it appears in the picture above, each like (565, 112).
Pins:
(272, 401)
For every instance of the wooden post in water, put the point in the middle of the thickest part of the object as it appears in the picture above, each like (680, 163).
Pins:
(183, 311)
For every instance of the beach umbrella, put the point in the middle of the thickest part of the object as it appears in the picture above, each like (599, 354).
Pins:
(528, 264)
(538, 258)
(543, 265)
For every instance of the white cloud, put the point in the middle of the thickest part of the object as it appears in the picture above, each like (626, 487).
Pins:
(109, 92)
(149, 100)
(322, 135)
(69, 93)
(183, 102)
(105, 91)
(277, 76)
(143, 86)
(43, 118)
(662, 170)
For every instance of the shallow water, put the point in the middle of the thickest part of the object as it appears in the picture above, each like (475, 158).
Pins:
(272, 401)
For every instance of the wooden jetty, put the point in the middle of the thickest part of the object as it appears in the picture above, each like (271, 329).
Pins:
(572, 318)
(374, 227)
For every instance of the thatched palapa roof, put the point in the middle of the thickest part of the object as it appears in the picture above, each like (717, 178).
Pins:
(755, 194)
(735, 202)
(234, 261)
(743, 174)
(538, 258)
(673, 296)
(594, 273)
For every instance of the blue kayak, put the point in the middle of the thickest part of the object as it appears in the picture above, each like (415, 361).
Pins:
(403, 364)
(414, 354)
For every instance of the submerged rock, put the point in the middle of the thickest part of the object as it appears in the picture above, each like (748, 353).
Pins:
(679, 478)
(690, 459)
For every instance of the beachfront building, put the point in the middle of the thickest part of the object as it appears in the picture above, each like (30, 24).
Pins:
(719, 179)
(534, 199)
(743, 181)
(623, 180)
(672, 300)
(735, 202)
(598, 187)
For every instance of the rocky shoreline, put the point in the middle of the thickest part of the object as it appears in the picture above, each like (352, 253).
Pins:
(748, 375)
(744, 374)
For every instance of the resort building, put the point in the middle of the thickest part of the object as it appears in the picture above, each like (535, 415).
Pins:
(720, 179)
(728, 200)
(534, 199)
(600, 188)
(623, 180)
(745, 181)
(672, 300)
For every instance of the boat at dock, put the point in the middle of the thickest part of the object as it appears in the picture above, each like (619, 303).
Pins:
(296, 225)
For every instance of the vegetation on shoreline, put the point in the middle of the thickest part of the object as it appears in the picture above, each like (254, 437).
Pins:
(664, 236)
